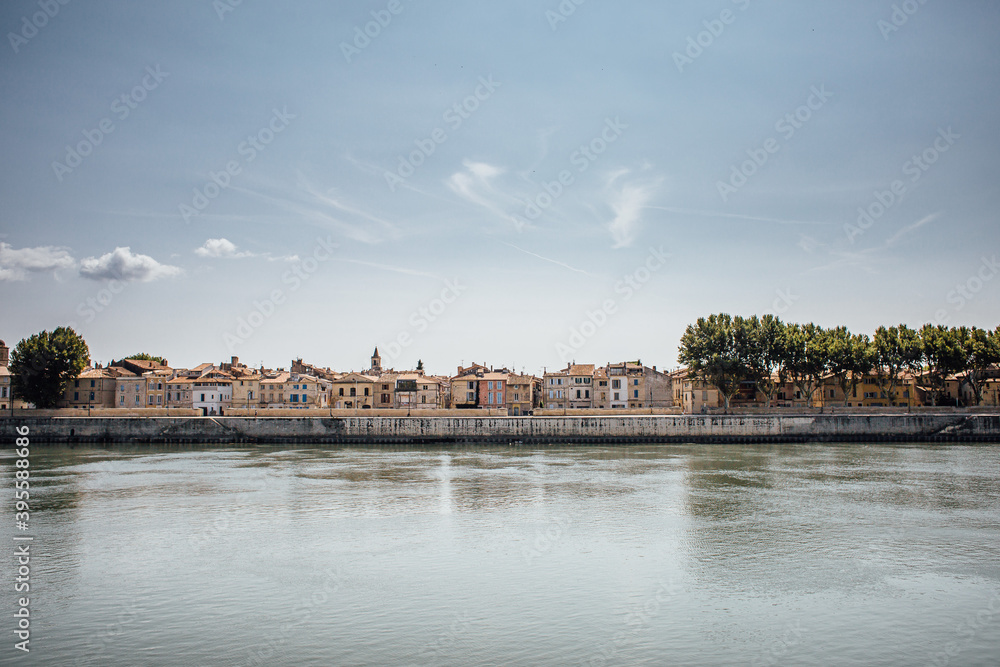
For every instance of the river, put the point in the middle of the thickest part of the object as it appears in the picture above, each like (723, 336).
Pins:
(644, 555)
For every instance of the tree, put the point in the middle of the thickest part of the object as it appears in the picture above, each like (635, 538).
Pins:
(806, 359)
(708, 348)
(42, 364)
(850, 359)
(981, 351)
(142, 356)
(895, 350)
(943, 355)
(765, 354)
(420, 365)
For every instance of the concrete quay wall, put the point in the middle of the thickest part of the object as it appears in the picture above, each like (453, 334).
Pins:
(507, 430)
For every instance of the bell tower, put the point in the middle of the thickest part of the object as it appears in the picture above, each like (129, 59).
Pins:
(376, 362)
(5, 354)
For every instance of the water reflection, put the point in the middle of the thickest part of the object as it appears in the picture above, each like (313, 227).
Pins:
(700, 554)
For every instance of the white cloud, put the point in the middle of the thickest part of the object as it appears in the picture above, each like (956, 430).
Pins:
(121, 264)
(221, 248)
(628, 205)
(16, 264)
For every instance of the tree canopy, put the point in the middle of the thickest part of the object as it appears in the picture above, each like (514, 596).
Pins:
(42, 364)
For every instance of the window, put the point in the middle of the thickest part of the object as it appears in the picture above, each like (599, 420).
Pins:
(635, 383)
(121, 401)
(367, 391)
(471, 397)
(341, 391)
(489, 385)
(578, 393)
(616, 384)
(159, 399)
(354, 391)
(92, 383)
(472, 385)
(635, 394)
(76, 396)
(586, 393)
(295, 398)
(203, 398)
(423, 399)
(150, 400)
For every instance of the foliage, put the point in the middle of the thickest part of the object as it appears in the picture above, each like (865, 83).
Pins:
(708, 348)
(850, 359)
(42, 364)
(806, 357)
(142, 356)
(895, 351)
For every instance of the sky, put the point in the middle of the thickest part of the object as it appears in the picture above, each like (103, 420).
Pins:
(518, 183)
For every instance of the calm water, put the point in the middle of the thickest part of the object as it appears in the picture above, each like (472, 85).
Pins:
(693, 555)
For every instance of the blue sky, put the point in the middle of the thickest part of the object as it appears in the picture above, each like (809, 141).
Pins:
(518, 183)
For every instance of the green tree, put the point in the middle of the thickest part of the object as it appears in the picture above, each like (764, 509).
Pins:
(806, 357)
(764, 354)
(981, 352)
(708, 349)
(42, 364)
(420, 365)
(142, 356)
(895, 350)
(850, 358)
(943, 355)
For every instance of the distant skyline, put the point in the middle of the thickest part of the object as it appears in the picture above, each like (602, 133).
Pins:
(205, 179)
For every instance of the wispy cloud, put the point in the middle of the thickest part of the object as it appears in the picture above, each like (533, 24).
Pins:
(628, 203)
(549, 259)
(19, 263)
(389, 267)
(738, 216)
(909, 229)
(123, 264)
(475, 184)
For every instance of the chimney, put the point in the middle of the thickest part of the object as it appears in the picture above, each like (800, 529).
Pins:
(236, 362)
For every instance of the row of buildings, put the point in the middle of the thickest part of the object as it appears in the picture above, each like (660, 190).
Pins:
(213, 388)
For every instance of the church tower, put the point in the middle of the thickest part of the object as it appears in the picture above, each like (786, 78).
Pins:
(5, 354)
(376, 362)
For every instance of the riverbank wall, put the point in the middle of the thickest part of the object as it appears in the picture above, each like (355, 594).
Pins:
(506, 430)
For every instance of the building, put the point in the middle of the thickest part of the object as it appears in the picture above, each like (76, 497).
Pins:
(693, 395)
(520, 394)
(492, 390)
(465, 390)
(93, 388)
(353, 391)
(555, 386)
(212, 392)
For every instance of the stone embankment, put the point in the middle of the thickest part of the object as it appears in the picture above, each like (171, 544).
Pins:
(417, 430)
